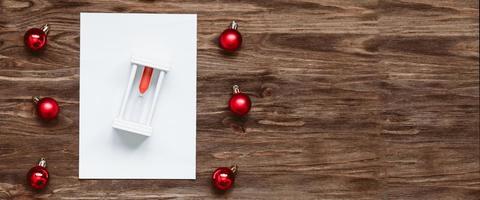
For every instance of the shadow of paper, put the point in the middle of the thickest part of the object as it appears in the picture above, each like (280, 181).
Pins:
(130, 140)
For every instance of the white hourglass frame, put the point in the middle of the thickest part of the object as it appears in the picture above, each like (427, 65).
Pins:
(136, 126)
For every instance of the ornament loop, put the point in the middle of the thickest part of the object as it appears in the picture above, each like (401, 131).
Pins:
(45, 28)
(236, 89)
(234, 25)
(234, 169)
(42, 162)
(35, 99)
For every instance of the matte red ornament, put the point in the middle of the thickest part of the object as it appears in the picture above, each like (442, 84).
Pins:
(230, 39)
(37, 177)
(239, 103)
(224, 177)
(36, 38)
(47, 108)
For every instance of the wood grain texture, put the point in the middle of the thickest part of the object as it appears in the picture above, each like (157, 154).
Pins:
(373, 99)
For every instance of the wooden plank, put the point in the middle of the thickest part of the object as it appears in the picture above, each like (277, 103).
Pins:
(429, 51)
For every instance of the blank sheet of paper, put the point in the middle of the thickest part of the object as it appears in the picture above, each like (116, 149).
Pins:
(107, 42)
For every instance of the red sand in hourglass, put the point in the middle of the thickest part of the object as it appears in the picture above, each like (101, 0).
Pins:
(145, 81)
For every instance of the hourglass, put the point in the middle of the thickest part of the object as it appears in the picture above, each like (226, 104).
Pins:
(140, 97)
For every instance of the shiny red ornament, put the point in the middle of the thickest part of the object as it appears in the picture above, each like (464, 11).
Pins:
(37, 177)
(224, 177)
(47, 108)
(239, 103)
(36, 38)
(230, 39)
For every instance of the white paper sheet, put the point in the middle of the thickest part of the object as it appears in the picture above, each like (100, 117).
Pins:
(107, 41)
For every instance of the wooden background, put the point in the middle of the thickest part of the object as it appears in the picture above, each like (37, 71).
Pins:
(352, 100)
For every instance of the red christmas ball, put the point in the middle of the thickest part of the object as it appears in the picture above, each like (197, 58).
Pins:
(36, 38)
(224, 177)
(239, 103)
(37, 177)
(47, 108)
(230, 39)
